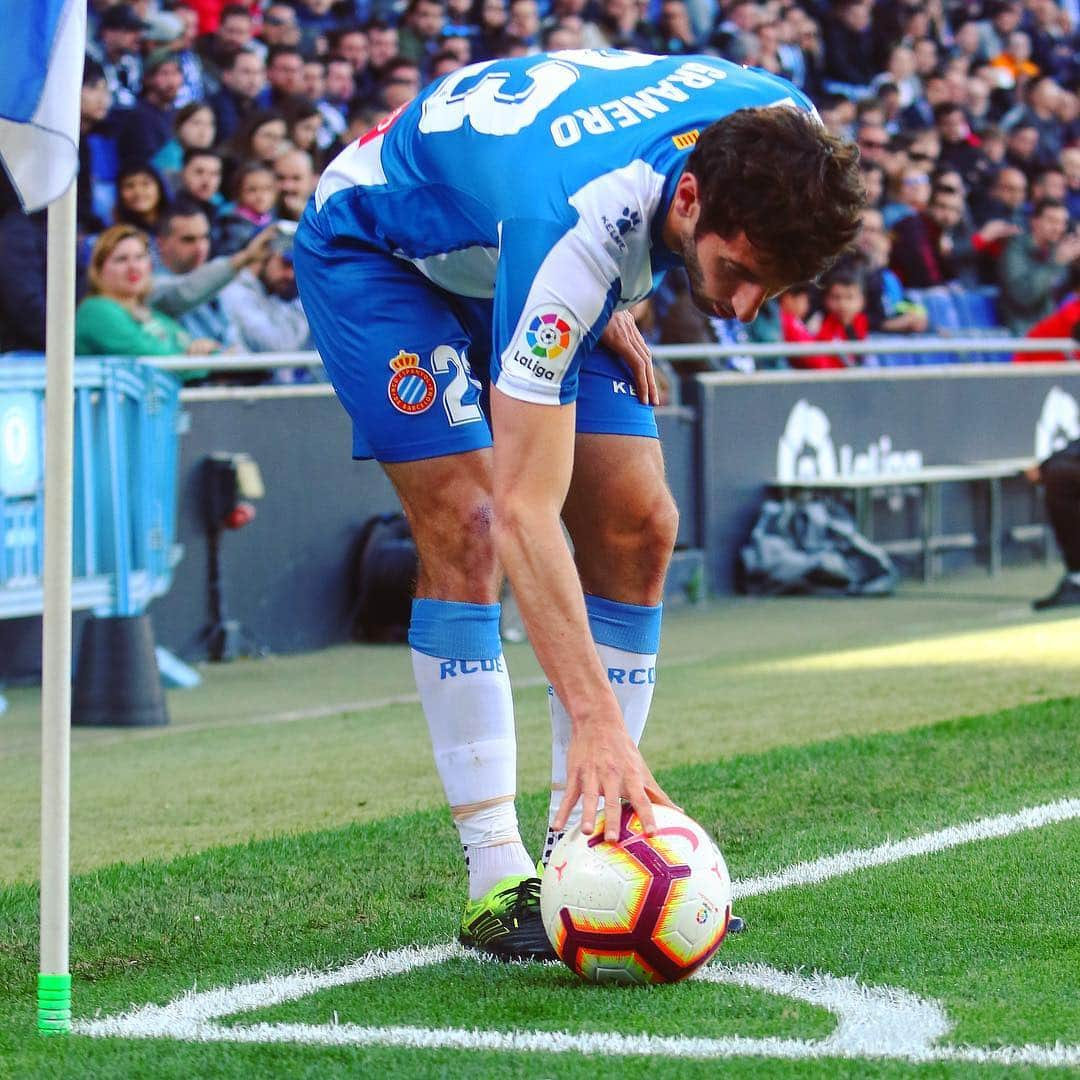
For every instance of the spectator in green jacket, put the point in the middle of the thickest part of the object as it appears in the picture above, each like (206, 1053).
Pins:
(115, 320)
(1035, 266)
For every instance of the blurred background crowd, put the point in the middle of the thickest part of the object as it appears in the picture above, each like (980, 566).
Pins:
(205, 125)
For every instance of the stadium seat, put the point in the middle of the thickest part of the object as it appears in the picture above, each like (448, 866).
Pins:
(944, 318)
(977, 309)
(887, 359)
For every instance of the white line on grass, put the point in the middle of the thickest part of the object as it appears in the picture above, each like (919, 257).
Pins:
(873, 1022)
(190, 1016)
(830, 866)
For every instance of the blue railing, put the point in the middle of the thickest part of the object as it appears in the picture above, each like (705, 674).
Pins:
(125, 474)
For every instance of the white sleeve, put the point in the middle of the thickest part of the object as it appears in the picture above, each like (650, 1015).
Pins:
(557, 285)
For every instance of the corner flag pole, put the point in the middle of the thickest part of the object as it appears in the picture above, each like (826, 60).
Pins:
(41, 55)
(54, 980)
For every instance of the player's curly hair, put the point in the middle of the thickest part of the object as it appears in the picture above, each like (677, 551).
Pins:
(778, 176)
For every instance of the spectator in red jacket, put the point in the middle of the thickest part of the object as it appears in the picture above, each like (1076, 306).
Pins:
(845, 317)
(1063, 323)
(845, 314)
(794, 308)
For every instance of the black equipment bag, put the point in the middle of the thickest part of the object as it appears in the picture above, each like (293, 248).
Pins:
(811, 547)
(384, 567)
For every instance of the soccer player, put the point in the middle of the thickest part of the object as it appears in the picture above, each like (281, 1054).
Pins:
(466, 268)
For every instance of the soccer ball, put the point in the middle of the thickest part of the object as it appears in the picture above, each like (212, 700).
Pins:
(640, 909)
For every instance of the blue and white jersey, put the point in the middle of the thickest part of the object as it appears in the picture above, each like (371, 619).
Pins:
(542, 182)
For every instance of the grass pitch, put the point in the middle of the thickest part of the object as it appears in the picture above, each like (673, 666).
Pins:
(835, 740)
(298, 743)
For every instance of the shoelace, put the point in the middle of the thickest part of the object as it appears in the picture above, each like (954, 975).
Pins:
(524, 895)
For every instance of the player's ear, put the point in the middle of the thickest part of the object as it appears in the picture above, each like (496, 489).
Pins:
(686, 195)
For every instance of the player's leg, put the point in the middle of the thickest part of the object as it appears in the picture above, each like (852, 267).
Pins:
(399, 364)
(464, 687)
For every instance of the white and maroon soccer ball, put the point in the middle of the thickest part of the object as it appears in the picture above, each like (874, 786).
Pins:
(642, 909)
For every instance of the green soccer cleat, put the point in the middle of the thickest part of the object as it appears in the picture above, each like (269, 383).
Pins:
(506, 923)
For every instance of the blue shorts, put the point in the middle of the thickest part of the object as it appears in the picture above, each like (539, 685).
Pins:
(409, 361)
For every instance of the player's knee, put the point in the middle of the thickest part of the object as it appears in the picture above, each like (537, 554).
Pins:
(457, 556)
(643, 532)
(655, 528)
(659, 531)
(665, 523)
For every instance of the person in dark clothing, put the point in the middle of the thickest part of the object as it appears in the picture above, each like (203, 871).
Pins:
(960, 149)
(233, 35)
(1004, 200)
(1060, 476)
(22, 283)
(242, 80)
(284, 77)
(95, 102)
(149, 126)
(120, 32)
(849, 44)
(141, 197)
(920, 113)
(918, 256)
(200, 182)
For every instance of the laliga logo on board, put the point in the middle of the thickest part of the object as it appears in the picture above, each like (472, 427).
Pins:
(1058, 424)
(806, 451)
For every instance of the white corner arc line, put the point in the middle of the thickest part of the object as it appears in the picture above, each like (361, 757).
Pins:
(847, 862)
(189, 1015)
(884, 1023)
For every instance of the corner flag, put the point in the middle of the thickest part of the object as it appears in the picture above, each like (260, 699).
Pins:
(42, 48)
(41, 61)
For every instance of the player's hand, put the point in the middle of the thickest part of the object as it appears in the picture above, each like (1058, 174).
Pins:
(624, 339)
(603, 760)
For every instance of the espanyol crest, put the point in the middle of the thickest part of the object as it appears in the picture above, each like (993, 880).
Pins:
(411, 388)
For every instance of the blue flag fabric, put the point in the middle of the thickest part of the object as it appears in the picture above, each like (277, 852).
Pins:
(42, 45)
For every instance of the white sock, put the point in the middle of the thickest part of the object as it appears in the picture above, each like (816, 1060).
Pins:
(620, 632)
(465, 692)
(490, 863)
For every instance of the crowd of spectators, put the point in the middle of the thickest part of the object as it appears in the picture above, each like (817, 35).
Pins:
(205, 125)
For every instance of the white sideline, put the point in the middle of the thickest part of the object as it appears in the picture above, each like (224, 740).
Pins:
(884, 1023)
(830, 866)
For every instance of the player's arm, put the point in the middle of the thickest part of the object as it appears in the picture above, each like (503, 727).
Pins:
(554, 294)
(534, 456)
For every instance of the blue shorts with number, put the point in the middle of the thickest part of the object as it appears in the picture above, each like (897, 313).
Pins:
(409, 361)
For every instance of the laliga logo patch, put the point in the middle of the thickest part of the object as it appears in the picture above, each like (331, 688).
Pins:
(548, 335)
(544, 347)
(411, 388)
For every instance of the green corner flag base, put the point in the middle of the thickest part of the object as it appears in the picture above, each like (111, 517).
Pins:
(54, 1004)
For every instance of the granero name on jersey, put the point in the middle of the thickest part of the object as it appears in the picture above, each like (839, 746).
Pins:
(631, 109)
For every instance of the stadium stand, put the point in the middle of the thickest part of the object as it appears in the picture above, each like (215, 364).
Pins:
(925, 88)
